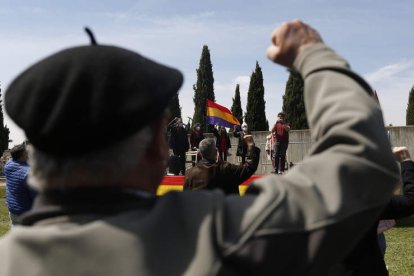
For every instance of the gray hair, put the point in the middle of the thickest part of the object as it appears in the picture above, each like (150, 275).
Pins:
(104, 167)
(208, 149)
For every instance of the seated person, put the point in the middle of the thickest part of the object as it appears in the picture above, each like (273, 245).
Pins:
(211, 174)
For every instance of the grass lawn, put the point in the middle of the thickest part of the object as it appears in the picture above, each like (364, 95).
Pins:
(400, 241)
(4, 213)
(400, 248)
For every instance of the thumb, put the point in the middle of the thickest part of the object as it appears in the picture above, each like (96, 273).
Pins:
(273, 53)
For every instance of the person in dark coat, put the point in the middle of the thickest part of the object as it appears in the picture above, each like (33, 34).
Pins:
(222, 142)
(367, 258)
(196, 136)
(179, 142)
(212, 174)
(241, 146)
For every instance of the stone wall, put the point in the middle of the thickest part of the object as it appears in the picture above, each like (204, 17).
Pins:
(300, 144)
(402, 136)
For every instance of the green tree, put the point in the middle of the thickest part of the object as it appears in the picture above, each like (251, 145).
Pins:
(174, 107)
(236, 108)
(410, 108)
(203, 89)
(255, 116)
(294, 104)
(4, 130)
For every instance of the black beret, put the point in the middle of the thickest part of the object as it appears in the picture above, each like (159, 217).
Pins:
(86, 98)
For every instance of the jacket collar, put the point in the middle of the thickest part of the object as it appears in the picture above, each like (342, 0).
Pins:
(204, 161)
(53, 203)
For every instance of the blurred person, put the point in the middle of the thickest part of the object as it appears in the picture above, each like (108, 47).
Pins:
(383, 226)
(97, 213)
(19, 197)
(270, 147)
(215, 173)
(195, 138)
(367, 258)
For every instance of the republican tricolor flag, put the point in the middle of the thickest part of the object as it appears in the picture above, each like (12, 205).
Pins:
(217, 114)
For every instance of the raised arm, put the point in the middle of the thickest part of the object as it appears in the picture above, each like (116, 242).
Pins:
(316, 212)
(402, 205)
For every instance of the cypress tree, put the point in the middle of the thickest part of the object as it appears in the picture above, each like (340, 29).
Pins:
(294, 103)
(174, 107)
(203, 89)
(255, 110)
(410, 108)
(4, 130)
(236, 108)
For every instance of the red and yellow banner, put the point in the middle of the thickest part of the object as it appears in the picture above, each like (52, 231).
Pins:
(175, 183)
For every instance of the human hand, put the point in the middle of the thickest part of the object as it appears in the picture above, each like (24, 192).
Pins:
(288, 41)
(401, 154)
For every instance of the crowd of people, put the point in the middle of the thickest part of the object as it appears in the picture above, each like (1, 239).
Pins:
(277, 143)
(97, 213)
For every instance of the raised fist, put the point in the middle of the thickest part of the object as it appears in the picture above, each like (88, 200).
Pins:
(289, 39)
(401, 154)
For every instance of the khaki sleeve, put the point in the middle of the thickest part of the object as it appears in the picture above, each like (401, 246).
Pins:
(336, 194)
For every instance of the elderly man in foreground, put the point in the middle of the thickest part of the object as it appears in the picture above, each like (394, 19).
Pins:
(97, 213)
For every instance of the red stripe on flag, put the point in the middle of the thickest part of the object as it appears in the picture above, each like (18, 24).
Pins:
(220, 107)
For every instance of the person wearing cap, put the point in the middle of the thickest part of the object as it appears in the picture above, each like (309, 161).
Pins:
(98, 172)
(19, 197)
(212, 172)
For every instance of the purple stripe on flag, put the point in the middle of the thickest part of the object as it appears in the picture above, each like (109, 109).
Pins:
(221, 122)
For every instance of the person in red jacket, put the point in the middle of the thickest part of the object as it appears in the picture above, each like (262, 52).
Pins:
(222, 141)
(281, 131)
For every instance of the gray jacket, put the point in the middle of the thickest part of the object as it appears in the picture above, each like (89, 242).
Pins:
(297, 224)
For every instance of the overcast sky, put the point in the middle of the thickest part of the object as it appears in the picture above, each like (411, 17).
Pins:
(375, 36)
